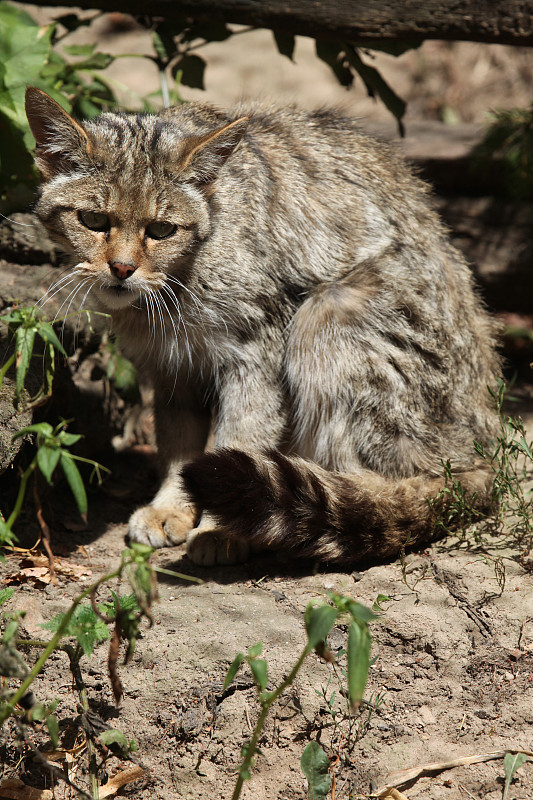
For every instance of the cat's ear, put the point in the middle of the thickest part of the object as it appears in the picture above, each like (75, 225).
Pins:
(201, 157)
(61, 142)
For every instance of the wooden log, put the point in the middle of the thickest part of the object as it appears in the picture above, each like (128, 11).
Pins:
(368, 22)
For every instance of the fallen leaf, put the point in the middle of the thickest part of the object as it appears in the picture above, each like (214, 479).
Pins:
(119, 780)
(36, 568)
(15, 789)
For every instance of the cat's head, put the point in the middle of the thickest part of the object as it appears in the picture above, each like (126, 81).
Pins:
(128, 195)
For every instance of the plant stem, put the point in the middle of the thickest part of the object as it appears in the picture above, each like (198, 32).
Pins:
(9, 707)
(74, 654)
(265, 708)
(164, 88)
(5, 367)
(21, 492)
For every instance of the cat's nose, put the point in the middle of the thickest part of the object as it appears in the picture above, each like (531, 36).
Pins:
(122, 271)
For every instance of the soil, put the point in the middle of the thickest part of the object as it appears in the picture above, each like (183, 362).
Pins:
(453, 645)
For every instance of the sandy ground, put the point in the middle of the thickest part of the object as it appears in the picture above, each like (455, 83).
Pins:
(453, 648)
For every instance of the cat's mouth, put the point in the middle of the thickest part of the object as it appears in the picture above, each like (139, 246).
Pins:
(118, 295)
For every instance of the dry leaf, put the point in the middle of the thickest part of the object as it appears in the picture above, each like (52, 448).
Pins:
(407, 775)
(119, 780)
(37, 568)
(64, 754)
(15, 789)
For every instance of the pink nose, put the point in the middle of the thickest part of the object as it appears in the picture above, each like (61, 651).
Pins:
(122, 271)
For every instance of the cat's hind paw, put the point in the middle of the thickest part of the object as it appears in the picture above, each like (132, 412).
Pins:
(160, 527)
(208, 548)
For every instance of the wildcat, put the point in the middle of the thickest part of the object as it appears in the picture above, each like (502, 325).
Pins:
(281, 278)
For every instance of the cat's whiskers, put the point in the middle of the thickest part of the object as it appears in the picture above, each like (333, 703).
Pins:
(70, 299)
(157, 305)
(181, 321)
(201, 307)
(80, 309)
(203, 313)
(150, 316)
(59, 284)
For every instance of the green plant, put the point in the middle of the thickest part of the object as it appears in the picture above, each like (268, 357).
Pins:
(349, 726)
(24, 325)
(457, 513)
(315, 766)
(176, 43)
(510, 136)
(319, 621)
(509, 460)
(88, 625)
(52, 450)
(29, 55)
(511, 763)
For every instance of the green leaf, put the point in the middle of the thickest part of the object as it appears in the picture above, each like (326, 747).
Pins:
(47, 458)
(525, 448)
(123, 374)
(259, 669)
(315, 766)
(285, 43)
(319, 620)
(96, 61)
(39, 712)
(80, 49)
(232, 671)
(53, 729)
(6, 594)
(24, 339)
(376, 606)
(164, 44)
(68, 439)
(114, 736)
(348, 606)
(75, 481)
(255, 650)
(85, 626)
(511, 763)
(7, 536)
(43, 429)
(48, 334)
(127, 602)
(358, 661)
(10, 631)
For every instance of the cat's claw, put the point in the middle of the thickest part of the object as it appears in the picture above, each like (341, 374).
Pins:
(160, 527)
(208, 548)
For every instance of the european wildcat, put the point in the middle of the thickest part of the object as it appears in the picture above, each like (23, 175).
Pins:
(280, 276)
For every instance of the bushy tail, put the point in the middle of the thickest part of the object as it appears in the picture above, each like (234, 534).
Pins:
(287, 503)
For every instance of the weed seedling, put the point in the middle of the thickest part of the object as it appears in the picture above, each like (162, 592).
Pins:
(319, 620)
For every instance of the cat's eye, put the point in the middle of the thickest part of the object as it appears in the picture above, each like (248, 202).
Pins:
(160, 230)
(94, 220)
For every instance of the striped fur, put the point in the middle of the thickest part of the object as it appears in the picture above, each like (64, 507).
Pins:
(287, 503)
(304, 300)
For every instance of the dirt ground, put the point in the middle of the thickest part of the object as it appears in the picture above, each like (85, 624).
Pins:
(453, 647)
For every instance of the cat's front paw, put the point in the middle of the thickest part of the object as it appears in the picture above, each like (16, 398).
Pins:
(160, 527)
(208, 548)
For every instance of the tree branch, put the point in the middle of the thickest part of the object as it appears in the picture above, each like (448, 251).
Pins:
(365, 22)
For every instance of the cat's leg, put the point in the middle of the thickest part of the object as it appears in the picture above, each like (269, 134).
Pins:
(182, 428)
(252, 416)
